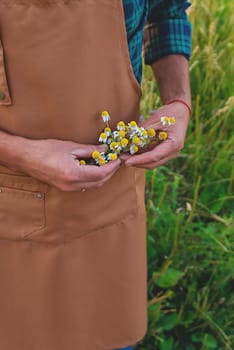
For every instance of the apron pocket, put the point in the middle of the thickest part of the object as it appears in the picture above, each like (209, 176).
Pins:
(5, 98)
(79, 214)
(22, 211)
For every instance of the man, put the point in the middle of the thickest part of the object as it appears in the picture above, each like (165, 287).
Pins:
(73, 247)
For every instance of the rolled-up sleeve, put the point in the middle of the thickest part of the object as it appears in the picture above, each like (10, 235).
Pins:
(167, 31)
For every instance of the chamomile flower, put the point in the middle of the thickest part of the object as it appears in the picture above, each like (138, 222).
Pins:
(121, 125)
(105, 116)
(118, 147)
(165, 120)
(171, 121)
(126, 129)
(162, 135)
(145, 138)
(113, 145)
(151, 132)
(112, 156)
(96, 155)
(133, 125)
(107, 131)
(134, 149)
(136, 140)
(115, 134)
(103, 137)
(124, 142)
(101, 161)
(122, 133)
(140, 131)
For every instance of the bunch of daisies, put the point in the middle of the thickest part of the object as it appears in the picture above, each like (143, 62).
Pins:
(128, 137)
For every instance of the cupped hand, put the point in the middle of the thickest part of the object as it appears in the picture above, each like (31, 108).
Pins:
(168, 149)
(56, 163)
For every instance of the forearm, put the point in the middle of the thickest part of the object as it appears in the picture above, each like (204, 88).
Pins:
(13, 151)
(172, 76)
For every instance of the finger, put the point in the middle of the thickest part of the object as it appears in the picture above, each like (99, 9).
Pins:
(154, 165)
(124, 156)
(163, 150)
(88, 186)
(85, 151)
(92, 173)
(75, 183)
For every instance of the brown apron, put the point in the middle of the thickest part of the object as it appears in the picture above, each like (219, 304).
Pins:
(72, 264)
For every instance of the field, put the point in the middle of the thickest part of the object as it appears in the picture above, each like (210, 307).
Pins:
(190, 201)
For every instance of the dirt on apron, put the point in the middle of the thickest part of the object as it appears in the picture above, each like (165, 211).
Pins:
(72, 264)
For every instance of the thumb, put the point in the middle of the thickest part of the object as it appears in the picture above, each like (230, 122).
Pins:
(85, 151)
(124, 156)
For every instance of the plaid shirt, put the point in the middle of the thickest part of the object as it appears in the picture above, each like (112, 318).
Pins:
(166, 30)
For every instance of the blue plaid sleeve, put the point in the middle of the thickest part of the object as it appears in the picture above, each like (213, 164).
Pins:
(167, 31)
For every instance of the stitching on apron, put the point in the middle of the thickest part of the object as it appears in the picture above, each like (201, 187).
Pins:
(18, 197)
(25, 189)
(71, 240)
(100, 229)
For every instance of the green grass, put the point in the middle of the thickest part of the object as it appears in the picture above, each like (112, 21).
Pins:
(190, 201)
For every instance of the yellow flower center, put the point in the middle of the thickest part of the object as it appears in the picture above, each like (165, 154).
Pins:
(124, 142)
(122, 133)
(113, 145)
(113, 156)
(165, 119)
(103, 136)
(121, 124)
(96, 155)
(102, 161)
(162, 135)
(82, 162)
(172, 120)
(136, 140)
(151, 132)
(105, 114)
(107, 130)
(133, 124)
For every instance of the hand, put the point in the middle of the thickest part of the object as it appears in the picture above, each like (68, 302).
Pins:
(55, 162)
(167, 149)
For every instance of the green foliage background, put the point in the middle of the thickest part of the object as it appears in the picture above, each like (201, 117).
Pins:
(190, 201)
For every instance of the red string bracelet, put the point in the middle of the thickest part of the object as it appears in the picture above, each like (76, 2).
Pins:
(181, 101)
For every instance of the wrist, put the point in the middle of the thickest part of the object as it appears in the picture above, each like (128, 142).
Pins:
(183, 102)
(14, 151)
